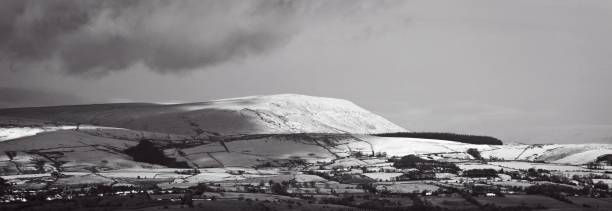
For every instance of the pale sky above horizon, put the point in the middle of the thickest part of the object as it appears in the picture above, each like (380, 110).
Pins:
(530, 71)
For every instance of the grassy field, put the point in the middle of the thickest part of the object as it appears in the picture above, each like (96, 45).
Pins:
(233, 205)
(451, 202)
(596, 203)
(533, 201)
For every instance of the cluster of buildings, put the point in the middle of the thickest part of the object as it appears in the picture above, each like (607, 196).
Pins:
(351, 176)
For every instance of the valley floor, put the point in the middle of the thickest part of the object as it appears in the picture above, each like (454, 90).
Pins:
(354, 182)
(85, 167)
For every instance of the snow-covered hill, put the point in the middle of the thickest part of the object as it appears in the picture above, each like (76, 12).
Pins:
(286, 113)
(239, 132)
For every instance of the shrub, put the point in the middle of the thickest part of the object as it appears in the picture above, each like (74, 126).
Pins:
(279, 189)
(474, 153)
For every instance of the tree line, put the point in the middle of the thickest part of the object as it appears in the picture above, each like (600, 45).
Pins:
(463, 138)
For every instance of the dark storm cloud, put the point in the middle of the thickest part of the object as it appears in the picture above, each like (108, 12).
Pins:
(97, 37)
(21, 97)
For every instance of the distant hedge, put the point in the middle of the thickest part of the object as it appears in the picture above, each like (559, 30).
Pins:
(470, 139)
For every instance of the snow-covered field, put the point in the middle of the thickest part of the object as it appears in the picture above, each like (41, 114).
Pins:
(513, 184)
(141, 174)
(517, 165)
(102, 147)
(84, 179)
(10, 133)
(23, 176)
(468, 166)
(554, 153)
(14, 133)
(407, 187)
(572, 154)
(380, 176)
(404, 146)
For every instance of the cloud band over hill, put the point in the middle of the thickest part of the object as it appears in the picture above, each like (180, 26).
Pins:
(97, 37)
(167, 36)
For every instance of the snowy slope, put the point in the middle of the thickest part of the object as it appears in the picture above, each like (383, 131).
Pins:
(551, 153)
(287, 113)
(104, 148)
(75, 150)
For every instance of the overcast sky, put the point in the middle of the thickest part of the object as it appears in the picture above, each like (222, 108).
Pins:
(531, 71)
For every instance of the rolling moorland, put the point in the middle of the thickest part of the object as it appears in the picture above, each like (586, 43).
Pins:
(278, 152)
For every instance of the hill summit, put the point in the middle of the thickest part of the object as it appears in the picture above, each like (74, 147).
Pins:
(284, 113)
